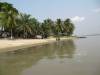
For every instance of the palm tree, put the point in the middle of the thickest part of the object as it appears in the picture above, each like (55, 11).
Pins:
(8, 16)
(44, 30)
(58, 28)
(47, 28)
(68, 27)
(24, 24)
(51, 25)
(36, 29)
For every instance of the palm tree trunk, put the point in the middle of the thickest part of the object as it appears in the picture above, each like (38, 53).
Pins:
(11, 34)
(24, 34)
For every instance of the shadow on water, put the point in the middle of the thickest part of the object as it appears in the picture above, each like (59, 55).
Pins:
(13, 63)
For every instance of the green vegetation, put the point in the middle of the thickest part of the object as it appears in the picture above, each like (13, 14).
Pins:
(20, 25)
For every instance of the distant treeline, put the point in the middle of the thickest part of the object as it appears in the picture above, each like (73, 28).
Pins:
(20, 25)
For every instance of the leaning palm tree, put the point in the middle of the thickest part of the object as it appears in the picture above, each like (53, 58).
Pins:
(8, 16)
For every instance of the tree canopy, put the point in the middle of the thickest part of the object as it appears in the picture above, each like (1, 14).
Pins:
(22, 25)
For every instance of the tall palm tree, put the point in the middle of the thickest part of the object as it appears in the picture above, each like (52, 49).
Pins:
(47, 27)
(36, 29)
(68, 27)
(51, 25)
(58, 28)
(8, 16)
(24, 24)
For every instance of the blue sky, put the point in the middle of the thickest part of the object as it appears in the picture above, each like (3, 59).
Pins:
(85, 14)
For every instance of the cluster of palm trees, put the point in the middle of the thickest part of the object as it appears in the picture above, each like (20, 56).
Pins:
(20, 25)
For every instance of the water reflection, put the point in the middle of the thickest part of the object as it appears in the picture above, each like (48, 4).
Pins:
(13, 63)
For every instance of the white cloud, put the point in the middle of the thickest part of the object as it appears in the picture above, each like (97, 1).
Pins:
(78, 19)
(96, 10)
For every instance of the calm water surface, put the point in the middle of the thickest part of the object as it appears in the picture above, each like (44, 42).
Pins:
(71, 57)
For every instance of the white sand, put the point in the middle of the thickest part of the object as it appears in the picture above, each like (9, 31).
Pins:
(10, 45)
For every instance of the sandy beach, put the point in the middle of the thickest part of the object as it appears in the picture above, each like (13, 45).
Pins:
(11, 45)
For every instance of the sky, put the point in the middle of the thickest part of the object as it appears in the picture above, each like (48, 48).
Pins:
(85, 14)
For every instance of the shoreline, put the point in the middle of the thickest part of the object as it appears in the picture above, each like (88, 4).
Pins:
(12, 45)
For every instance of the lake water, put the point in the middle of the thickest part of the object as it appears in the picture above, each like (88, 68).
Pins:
(71, 57)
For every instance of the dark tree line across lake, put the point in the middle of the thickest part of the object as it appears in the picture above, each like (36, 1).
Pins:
(14, 24)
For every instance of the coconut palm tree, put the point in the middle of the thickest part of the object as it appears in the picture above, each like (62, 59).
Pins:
(68, 27)
(36, 29)
(24, 25)
(46, 28)
(8, 16)
(58, 28)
